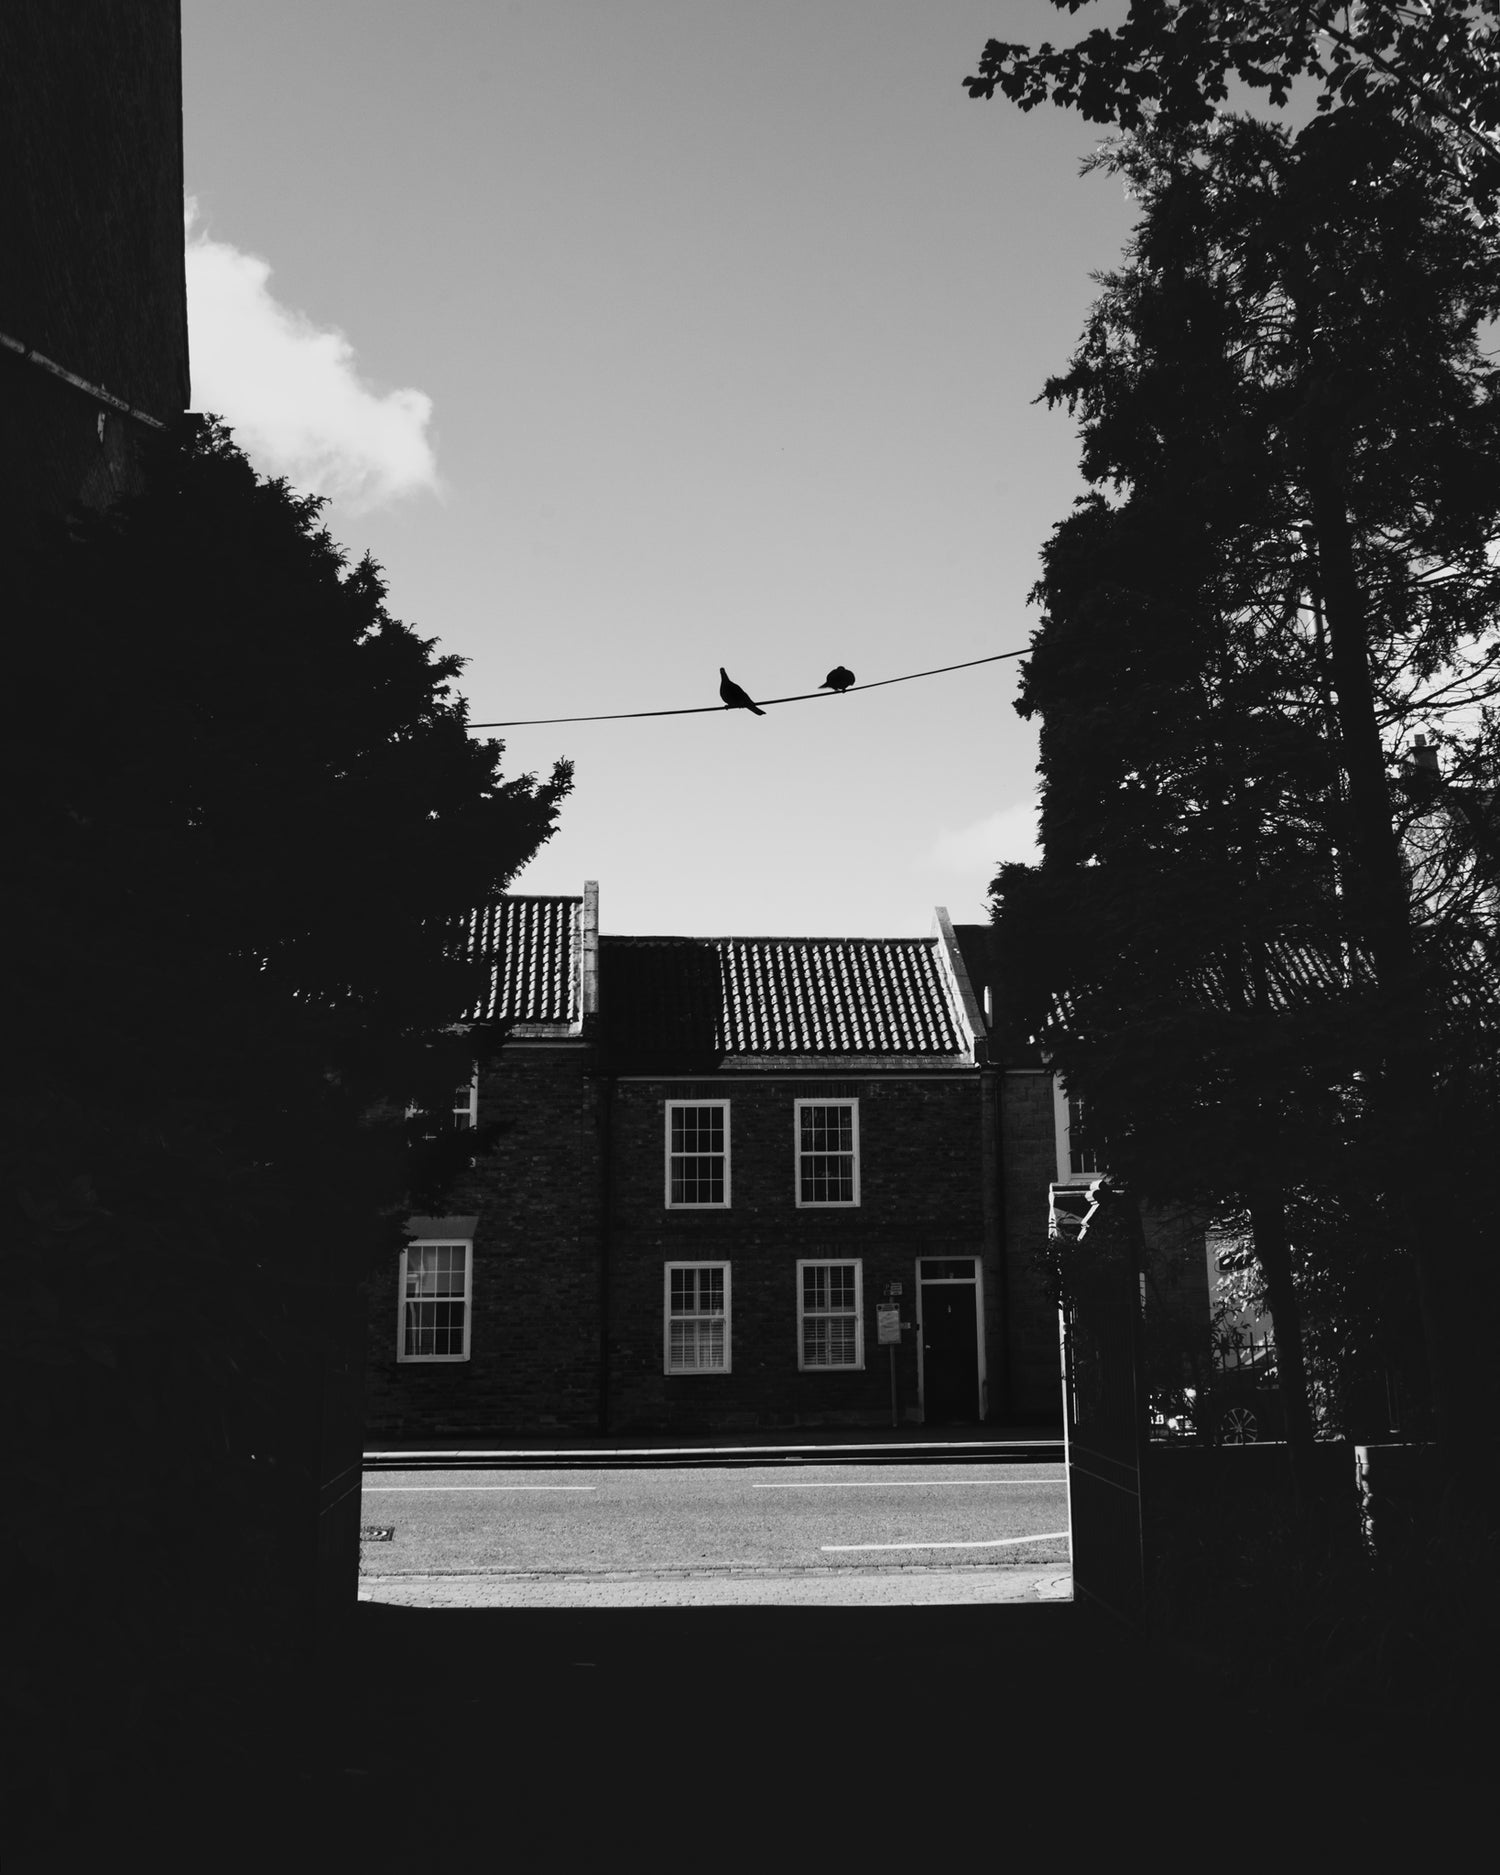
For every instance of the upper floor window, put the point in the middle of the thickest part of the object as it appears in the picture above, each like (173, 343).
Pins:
(698, 1154)
(1077, 1155)
(463, 1108)
(827, 1145)
(466, 1102)
(434, 1305)
(1083, 1156)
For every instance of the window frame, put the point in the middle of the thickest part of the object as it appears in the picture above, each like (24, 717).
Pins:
(856, 1366)
(1065, 1107)
(462, 1119)
(466, 1118)
(403, 1299)
(824, 1204)
(667, 1318)
(682, 1204)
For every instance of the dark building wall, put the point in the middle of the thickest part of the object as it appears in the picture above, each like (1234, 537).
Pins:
(543, 1191)
(534, 1336)
(541, 1195)
(921, 1195)
(91, 237)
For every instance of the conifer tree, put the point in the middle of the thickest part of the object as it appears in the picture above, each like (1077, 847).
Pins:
(244, 819)
(1284, 568)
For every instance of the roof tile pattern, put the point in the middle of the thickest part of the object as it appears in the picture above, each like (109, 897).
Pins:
(778, 996)
(531, 947)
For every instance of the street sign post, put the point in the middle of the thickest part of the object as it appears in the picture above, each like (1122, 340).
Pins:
(888, 1327)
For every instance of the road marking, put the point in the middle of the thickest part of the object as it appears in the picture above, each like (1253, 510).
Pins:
(479, 1487)
(885, 1484)
(999, 1542)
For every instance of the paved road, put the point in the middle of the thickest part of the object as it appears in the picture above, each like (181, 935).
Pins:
(804, 1533)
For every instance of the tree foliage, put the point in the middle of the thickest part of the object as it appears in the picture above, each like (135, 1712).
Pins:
(244, 819)
(1169, 65)
(1284, 569)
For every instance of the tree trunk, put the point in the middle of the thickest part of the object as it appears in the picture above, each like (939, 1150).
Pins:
(1403, 1087)
(1377, 881)
(1274, 1251)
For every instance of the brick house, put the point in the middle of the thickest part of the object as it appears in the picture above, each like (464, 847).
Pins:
(717, 1159)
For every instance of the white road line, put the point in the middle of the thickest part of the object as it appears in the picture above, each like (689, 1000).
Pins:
(368, 1487)
(886, 1484)
(999, 1542)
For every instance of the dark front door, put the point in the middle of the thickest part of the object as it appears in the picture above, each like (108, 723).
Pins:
(950, 1352)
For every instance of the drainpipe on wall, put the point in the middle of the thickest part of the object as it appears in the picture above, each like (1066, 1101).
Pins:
(604, 1090)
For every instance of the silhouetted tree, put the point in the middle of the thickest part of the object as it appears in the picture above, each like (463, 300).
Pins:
(1168, 66)
(243, 820)
(1285, 391)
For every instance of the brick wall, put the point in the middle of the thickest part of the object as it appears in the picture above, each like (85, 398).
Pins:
(540, 1252)
(534, 1335)
(920, 1195)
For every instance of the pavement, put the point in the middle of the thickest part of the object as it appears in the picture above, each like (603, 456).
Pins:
(762, 1588)
(844, 1444)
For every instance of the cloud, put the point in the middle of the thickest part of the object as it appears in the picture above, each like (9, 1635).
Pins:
(1009, 834)
(291, 391)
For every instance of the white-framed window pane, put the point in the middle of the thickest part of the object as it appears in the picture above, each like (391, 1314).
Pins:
(698, 1129)
(827, 1129)
(435, 1328)
(827, 1152)
(829, 1312)
(697, 1181)
(697, 1344)
(829, 1342)
(698, 1153)
(827, 1181)
(697, 1318)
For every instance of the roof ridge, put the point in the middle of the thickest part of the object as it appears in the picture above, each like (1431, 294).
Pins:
(686, 937)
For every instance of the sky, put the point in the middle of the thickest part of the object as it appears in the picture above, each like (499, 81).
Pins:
(635, 338)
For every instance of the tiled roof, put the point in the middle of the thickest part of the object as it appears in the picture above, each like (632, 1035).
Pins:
(532, 949)
(1458, 974)
(1296, 976)
(712, 997)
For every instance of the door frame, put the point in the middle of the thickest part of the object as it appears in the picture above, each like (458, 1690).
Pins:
(956, 1282)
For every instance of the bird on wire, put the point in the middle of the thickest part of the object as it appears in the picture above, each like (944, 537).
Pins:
(839, 678)
(734, 697)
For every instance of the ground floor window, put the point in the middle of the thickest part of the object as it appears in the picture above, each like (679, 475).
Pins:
(434, 1290)
(830, 1315)
(696, 1306)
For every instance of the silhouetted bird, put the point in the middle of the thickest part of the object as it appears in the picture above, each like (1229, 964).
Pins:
(734, 697)
(839, 678)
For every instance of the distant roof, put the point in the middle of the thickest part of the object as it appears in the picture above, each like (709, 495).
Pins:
(531, 945)
(696, 1000)
(711, 997)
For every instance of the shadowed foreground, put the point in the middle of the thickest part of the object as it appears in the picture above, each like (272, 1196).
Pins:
(547, 1738)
